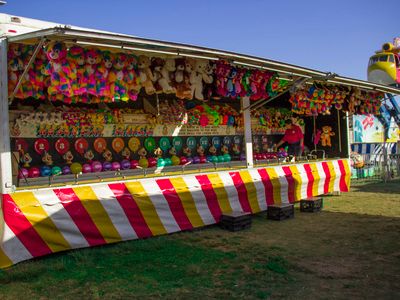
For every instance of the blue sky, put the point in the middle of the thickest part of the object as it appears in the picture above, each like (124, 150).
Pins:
(337, 36)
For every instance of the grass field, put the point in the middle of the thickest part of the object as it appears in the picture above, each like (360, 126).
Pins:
(351, 250)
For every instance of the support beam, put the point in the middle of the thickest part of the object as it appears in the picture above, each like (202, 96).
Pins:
(248, 143)
(5, 151)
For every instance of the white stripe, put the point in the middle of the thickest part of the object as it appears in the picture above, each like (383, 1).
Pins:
(304, 181)
(230, 189)
(284, 184)
(161, 205)
(12, 246)
(115, 211)
(322, 177)
(364, 148)
(260, 189)
(199, 199)
(336, 184)
(61, 218)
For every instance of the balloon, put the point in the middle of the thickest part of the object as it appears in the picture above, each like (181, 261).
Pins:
(76, 168)
(214, 159)
(23, 173)
(33, 172)
(125, 164)
(227, 157)
(62, 146)
(189, 160)
(242, 156)
(175, 160)
(107, 166)
(66, 170)
(21, 145)
(134, 164)
(96, 166)
(56, 170)
(209, 158)
(152, 162)
(143, 162)
(100, 145)
(118, 144)
(115, 166)
(203, 159)
(160, 162)
(41, 145)
(86, 168)
(196, 160)
(45, 171)
(81, 146)
(221, 158)
(134, 144)
(168, 162)
(183, 160)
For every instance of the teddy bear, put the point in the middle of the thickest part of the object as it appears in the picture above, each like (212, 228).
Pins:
(15, 66)
(157, 64)
(92, 73)
(208, 78)
(76, 59)
(104, 81)
(132, 78)
(230, 83)
(59, 70)
(142, 153)
(40, 80)
(325, 137)
(145, 74)
(179, 78)
(166, 75)
(118, 86)
(197, 76)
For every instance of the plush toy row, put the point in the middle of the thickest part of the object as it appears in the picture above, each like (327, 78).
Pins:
(319, 100)
(79, 74)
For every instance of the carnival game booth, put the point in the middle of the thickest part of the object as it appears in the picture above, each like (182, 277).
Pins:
(108, 137)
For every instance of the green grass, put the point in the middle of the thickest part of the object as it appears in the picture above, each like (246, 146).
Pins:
(351, 250)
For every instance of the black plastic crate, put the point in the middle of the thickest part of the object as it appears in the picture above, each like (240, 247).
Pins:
(280, 212)
(235, 221)
(312, 204)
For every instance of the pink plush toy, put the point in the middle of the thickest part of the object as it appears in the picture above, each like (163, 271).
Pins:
(118, 86)
(132, 78)
(105, 69)
(77, 61)
(92, 73)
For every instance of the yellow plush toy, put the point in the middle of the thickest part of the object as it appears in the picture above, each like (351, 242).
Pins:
(326, 136)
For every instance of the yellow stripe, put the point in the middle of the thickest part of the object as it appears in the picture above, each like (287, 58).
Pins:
(146, 206)
(97, 213)
(331, 168)
(346, 165)
(41, 221)
(317, 178)
(222, 196)
(251, 191)
(187, 201)
(297, 182)
(276, 185)
(4, 260)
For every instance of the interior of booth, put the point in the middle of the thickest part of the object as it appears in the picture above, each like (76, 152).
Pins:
(72, 130)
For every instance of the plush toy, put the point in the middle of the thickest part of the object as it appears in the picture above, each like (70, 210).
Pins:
(158, 153)
(126, 153)
(142, 153)
(200, 150)
(92, 73)
(182, 79)
(197, 76)
(47, 158)
(187, 151)
(26, 159)
(230, 83)
(236, 149)
(107, 155)
(166, 75)
(38, 75)
(326, 136)
(208, 78)
(118, 86)
(212, 150)
(89, 155)
(157, 64)
(104, 81)
(77, 59)
(68, 156)
(132, 77)
(15, 66)
(59, 70)
(146, 76)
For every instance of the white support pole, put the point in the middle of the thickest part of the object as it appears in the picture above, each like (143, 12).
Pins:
(247, 131)
(6, 185)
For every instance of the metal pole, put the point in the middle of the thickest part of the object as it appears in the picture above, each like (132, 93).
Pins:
(314, 132)
(247, 132)
(31, 60)
(340, 131)
(6, 185)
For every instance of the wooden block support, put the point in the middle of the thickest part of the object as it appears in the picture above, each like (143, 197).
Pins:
(280, 212)
(235, 221)
(312, 204)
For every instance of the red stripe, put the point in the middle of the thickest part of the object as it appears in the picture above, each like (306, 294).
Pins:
(23, 229)
(210, 195)
(342, 183)
(310, 182)
(80, 216)
(242, 192)
(268, 186)
(131, 209)
(327, 177)
(174, 203)
(291, 183)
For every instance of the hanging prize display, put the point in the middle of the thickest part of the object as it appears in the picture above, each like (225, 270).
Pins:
(41, 145)
(191, 143)
(164, 144)
(177, 143)
(150, 144)
(118, 144)
(62, 146)
(100, 145)
(81, 145)
(21, 145)
(216, 142)
(204, 142)
(227, 141)
(134, 144)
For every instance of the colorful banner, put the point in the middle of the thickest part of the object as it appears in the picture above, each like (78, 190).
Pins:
(46, 221)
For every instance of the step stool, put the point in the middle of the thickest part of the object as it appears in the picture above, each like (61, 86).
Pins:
(312, 204)
(235, 221)
(280, 212)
